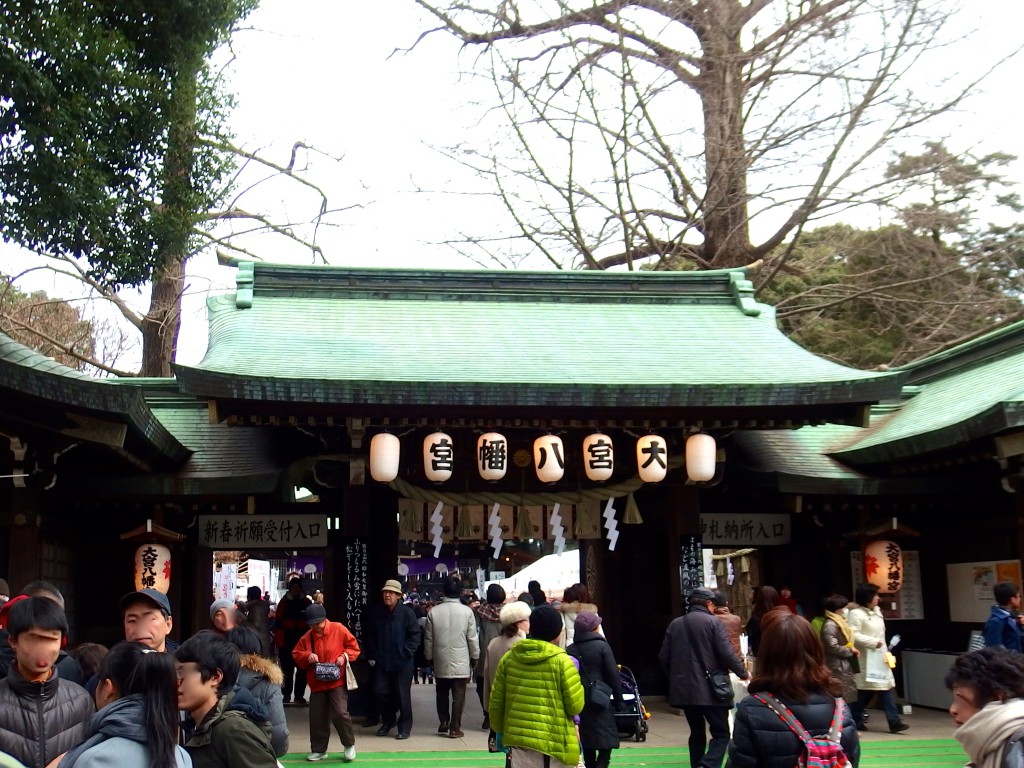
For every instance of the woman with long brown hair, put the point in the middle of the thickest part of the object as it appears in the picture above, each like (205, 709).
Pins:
(791, 668)
(766, 599)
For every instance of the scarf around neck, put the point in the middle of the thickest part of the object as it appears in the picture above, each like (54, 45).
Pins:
(984, 736)
(840, 621)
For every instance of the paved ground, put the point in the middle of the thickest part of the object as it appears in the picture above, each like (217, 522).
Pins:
(928, 742)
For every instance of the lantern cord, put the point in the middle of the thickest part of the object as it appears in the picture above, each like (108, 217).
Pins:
(432, 495)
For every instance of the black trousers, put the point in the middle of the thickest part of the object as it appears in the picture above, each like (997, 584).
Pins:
(392, 689)
(293, 675)
(597, 758)
(717, 719)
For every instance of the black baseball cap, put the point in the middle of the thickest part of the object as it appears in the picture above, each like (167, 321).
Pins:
(148, 596)
(703, 594)
(315, 614)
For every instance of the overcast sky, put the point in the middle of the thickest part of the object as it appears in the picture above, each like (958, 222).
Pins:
(324, 72)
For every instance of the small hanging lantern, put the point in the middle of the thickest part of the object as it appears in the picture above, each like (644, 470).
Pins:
(700, 458)
(385, 450)
(549, 458)
(492, 455)
(598, 457)
(652, 458)
(438, 457)
(883, 565)
(153, 567)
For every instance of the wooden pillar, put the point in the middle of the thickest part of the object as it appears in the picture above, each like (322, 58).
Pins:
(639, 581)
(200, 591)
(6, 502)
(25, 560)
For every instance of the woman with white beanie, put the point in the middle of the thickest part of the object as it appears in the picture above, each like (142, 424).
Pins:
(515, 623)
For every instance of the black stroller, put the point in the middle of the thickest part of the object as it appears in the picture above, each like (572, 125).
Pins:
(631, 720)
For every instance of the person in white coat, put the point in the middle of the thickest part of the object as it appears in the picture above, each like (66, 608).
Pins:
(451, 643)
(868, 629)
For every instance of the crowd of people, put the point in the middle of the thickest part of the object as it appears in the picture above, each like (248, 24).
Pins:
(545, 673)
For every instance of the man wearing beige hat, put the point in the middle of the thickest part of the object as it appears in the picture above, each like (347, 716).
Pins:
(391, 643)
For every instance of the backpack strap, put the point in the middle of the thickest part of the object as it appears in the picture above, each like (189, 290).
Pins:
(784, 714)
(836, 731)
(780, 709)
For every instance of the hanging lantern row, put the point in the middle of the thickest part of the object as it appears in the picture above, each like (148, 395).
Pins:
(492, 457)
(883, 566)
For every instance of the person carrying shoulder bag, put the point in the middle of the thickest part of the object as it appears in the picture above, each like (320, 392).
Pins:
(327, 643)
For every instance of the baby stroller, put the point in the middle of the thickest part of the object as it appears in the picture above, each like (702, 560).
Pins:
(631, 719)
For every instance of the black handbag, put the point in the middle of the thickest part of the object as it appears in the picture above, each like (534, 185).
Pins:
(721, 684)
(597, 693)
(328, 673)
(600, 695)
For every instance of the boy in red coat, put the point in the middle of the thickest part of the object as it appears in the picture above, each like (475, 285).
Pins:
(327, 642)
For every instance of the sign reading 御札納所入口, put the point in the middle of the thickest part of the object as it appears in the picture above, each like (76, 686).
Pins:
(265, 531)
(720, 529)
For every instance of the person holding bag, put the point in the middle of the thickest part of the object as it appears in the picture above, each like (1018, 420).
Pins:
(325, 652)
(600, 676)
(841, 654)
(696, 655)
(868, 627)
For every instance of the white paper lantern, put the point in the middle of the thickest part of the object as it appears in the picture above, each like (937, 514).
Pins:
(385, 451)
(153, 567)
(700, 458)
(549, 458)
(438, 457)
(652, 458)
(492, 455)
(883, 565)
(598, 457)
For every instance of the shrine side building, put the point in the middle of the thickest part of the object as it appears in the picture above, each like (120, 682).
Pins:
(306, 365)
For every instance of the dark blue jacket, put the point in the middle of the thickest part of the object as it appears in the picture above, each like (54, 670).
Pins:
(394, 637)
(1002, 630)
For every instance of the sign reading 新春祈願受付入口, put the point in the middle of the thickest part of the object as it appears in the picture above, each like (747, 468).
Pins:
(741, 530)
(265, 531)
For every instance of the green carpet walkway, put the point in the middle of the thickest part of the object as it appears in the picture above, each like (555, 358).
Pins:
(905, 753)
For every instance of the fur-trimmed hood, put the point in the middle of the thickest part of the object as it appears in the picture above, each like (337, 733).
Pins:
(577, 608)
(268, 668)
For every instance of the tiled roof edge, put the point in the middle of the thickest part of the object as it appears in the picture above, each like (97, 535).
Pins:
(254, 279)
(1003, 341)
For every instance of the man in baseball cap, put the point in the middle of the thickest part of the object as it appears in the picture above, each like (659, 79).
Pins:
(696, 644)
(147, 619)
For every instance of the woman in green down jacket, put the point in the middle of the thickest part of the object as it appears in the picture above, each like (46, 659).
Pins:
(535, 695)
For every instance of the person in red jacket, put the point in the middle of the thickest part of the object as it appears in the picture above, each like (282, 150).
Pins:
(327, 642)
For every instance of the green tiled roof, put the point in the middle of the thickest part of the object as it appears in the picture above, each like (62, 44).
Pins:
(224, 460)
(45, 395)
(970, 392)
(497, 338)
(795, 457)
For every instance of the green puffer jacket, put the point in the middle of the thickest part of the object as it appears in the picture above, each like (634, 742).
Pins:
(536, 692)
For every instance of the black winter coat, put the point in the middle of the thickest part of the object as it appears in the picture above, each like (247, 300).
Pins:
(393, 637)
(761, 740)
(694, 645)
(597, 726)
(257, 615)
(39, 721)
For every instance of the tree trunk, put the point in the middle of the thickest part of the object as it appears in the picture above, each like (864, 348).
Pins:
(162, 322)
(726, 226)
(177, 215)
